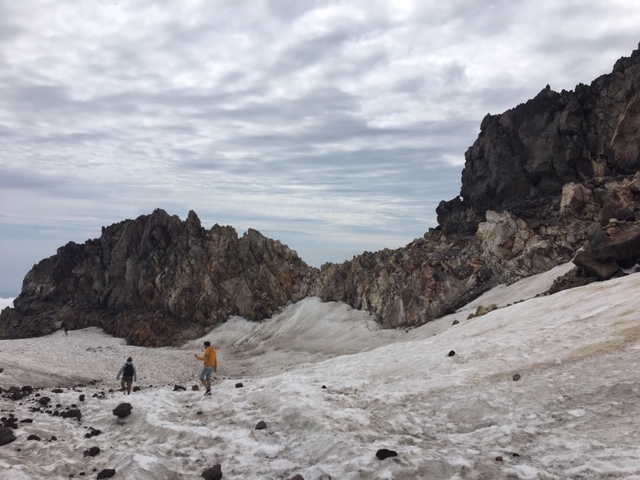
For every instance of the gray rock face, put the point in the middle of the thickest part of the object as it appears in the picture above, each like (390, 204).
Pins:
(536, 181)
(435, 275)
(536, 148)
(156, 279)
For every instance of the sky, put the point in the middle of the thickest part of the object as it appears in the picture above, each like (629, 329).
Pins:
(542, 387)
(335, 127)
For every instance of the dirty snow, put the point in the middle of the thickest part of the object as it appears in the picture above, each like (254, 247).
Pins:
(333, 388)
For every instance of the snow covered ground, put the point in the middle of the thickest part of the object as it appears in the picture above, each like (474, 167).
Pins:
(333, 388)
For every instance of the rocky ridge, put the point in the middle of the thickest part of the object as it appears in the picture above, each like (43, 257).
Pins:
(551, 180)
(157, 280)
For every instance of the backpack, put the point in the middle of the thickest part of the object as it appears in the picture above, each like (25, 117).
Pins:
(128, 370)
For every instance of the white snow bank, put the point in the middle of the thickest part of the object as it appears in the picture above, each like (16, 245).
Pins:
(572, 411)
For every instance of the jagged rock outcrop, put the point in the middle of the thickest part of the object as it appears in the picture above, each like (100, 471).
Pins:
(156, 279)
(610, 251)
(404, 287)
(555, 176)
(535, 149)
(508, 242)
(436, 274)
(535, 183)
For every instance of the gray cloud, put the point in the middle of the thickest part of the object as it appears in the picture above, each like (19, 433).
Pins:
(335, 127)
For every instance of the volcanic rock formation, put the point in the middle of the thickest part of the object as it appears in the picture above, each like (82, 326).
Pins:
(157, 280)
(551, 178)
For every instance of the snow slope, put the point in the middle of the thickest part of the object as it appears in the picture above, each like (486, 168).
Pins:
(333, 388)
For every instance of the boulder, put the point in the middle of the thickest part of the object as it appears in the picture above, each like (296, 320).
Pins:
(6, 436)
(106, 473)
(91, 452)
(577, 200)
(123, 410)
(212, 473)
(386, 453)
(508, 242)
(72, 413)
(621, 247)
(482, 310)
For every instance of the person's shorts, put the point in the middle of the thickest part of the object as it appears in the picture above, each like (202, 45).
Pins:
(206, 373)
(127, 379)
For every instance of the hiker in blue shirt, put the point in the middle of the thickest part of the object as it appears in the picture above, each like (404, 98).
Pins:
(129, 375)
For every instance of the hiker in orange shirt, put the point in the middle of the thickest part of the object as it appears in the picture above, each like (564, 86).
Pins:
(210, 360)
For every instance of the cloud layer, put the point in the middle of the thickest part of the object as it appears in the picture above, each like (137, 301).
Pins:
(335, 127)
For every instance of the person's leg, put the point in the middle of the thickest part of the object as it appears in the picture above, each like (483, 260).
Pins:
(203, 377)
(206, 380)
(129, 385)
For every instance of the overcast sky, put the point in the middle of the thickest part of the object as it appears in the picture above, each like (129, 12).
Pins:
(334, 127)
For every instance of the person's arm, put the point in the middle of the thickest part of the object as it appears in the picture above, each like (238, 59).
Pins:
(135, 374)
(215, 361)
(199, 357)
(120, 372)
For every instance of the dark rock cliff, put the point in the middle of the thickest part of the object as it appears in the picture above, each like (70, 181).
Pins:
(538, 184)
(554, 176)
(157, 280)
(534, 149)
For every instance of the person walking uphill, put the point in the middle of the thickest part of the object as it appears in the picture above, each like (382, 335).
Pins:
(210, 360)
(129, 375)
